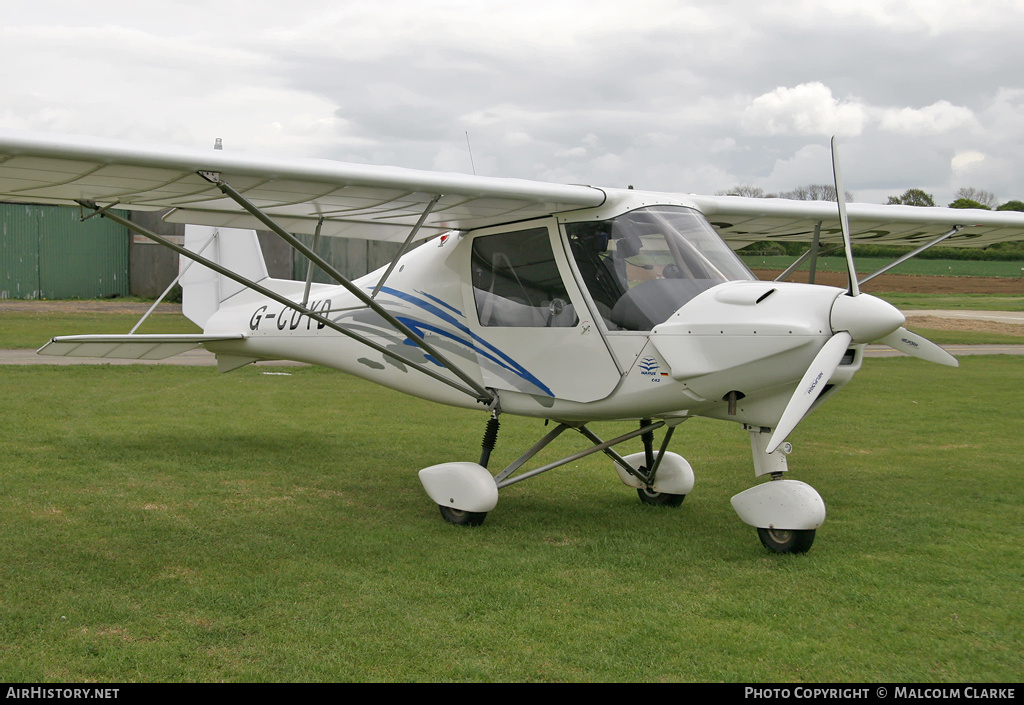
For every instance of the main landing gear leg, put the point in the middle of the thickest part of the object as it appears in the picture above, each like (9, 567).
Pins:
(786, 513)
(661, 479)
(465, 492)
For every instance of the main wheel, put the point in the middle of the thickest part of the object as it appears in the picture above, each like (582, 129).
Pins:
(659, 499)
(461, 518)
(786, 540)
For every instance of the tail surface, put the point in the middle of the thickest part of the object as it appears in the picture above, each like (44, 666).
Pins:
(203, 290)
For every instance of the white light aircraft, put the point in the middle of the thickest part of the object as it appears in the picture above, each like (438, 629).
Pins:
(573, 304)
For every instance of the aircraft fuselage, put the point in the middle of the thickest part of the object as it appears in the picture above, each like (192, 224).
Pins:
(564, 317)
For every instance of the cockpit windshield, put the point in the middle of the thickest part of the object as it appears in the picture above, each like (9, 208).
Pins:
(642, 266)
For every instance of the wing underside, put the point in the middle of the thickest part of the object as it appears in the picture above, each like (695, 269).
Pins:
(353, 200)
(386, 203)
(745, 220)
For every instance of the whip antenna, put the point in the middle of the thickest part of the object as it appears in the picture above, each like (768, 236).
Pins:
(470, 147)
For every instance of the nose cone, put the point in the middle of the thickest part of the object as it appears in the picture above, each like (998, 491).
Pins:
(866, 318)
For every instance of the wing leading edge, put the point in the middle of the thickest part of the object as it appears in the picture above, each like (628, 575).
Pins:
(384, 203)
(741, 221)
(354, 200)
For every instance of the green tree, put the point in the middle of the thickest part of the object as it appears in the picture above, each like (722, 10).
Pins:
(1012, 206)
(968, 203)
(912, 197)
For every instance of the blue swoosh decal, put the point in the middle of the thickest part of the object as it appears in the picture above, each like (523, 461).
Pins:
(471, 341)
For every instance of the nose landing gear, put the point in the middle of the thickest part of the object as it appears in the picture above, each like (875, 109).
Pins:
(786, 513)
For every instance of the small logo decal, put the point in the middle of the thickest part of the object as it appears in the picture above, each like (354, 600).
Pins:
(648, 366)
(814, 383)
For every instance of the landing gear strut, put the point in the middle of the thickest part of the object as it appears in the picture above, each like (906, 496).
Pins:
(466, 492)
(648, 472)
(786, 513)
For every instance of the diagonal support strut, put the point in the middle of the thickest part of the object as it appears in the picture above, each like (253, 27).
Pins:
(486, 397)
(481, 393)
(919, 250)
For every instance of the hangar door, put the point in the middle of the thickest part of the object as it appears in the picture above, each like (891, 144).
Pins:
(47, 252)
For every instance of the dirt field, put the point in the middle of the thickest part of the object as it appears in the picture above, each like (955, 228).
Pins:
(917, 284)
(918, 322)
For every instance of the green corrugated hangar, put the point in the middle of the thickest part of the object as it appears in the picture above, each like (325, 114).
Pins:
(49, 252)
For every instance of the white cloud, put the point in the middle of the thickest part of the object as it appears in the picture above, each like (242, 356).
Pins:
(665, 95)
(806, 109)
(941, 116)
(724, 145)
(964, 161)
(811, 164)
(571, 153)
(905, 17)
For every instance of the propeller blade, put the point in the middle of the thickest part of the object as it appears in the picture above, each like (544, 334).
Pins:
(821, 369)
(918, 346)
(844, 221)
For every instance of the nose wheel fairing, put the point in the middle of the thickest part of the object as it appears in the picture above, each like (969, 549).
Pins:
(781, 505)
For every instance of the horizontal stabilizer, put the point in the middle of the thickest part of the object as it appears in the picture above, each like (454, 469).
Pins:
(128, 347)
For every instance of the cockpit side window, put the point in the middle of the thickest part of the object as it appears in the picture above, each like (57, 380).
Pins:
(516, 282)
(643, 266)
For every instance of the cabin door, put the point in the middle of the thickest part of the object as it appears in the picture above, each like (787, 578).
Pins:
(534, 331)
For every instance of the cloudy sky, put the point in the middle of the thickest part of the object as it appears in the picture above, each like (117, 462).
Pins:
(674, 96)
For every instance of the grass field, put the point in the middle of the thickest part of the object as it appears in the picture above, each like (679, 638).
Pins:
(23, 329)
(916, 265)
(970, 302)
(969, 337)
(174, 524)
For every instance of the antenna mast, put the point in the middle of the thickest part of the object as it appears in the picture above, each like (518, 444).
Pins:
(470, 147)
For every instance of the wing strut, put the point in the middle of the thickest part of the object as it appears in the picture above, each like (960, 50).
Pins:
(405, 245)
(919, 250)
(474, 389)
(813, 252)
(309, 270)
(481, 393)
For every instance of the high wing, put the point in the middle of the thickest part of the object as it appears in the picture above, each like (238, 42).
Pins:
(741, 221)
(354, 200)
(384, 203)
